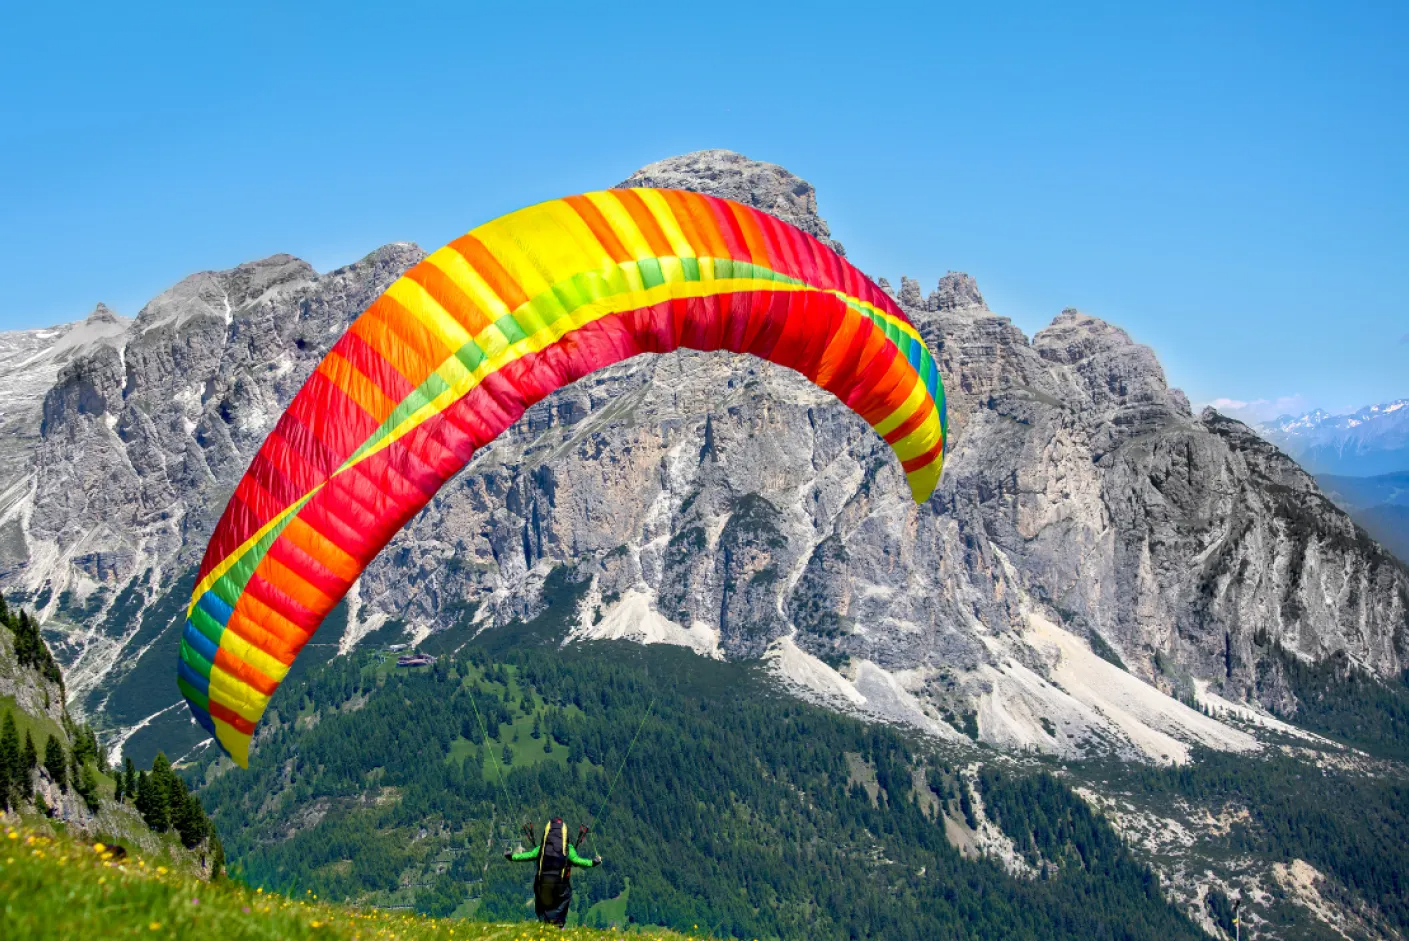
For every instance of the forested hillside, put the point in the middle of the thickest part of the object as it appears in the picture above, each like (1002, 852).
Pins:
(54, 775)
(740, 808)
(745, 810)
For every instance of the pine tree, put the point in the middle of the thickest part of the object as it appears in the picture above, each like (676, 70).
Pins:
(966, 805)
(187, 816)
(31, 651)
(29, 760)
(86, 748)
(154, 795)
(508, 755)
(142, 795)
(9, 763)
(56, 763)
(119, 781)
(217, 858)
(85, 782)
(130, 785)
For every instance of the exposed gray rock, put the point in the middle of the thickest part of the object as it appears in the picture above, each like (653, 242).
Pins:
(30, 362)
(910, 295)
(956, 291)
(145, 430)
(744, 502)
(728, 175)
(29, 690)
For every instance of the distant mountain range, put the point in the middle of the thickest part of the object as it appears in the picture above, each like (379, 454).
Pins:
(1371, 441)
(1361, 461)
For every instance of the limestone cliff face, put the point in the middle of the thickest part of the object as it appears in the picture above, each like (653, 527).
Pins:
(1165, 532)
(735, 501)
(129, 452)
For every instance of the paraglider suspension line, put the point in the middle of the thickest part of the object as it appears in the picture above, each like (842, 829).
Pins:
(484, 732)
(597, 817)
(503, 791)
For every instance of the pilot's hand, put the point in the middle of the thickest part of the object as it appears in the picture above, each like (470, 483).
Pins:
(596, 860)
(509, 855)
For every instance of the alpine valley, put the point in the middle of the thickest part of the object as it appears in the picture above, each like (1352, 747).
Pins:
(1128, 666)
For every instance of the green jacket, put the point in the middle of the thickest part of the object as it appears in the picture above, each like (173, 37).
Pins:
(530, 855)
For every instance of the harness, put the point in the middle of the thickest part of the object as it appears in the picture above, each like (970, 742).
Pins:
(555, 842)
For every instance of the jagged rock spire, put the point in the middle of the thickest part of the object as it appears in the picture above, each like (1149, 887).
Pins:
(102, 314)
(956, 291)
(910, 295)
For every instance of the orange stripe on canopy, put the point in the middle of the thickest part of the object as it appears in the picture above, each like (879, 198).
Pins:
(393, 412)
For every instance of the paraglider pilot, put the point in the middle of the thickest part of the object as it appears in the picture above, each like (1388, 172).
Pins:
(552, 885)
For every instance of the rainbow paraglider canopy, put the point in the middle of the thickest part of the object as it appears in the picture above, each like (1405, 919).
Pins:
(454, 352)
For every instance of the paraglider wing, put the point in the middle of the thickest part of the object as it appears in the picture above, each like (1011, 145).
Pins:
(455, 351)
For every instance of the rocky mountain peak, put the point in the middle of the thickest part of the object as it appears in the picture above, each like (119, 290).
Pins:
(218, 294)
(398, 255)
(1073, 335)
(723, 173)
(956, 291)
(910, 295)
(1106, 364)
(102, 314)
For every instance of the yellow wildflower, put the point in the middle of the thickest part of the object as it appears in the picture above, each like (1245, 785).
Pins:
(99, 848)
(154, 926)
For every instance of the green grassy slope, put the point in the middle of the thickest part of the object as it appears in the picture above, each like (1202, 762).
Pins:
(54, 887)
(83, 799)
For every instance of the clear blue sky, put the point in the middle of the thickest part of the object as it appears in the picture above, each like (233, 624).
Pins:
(1231, 187)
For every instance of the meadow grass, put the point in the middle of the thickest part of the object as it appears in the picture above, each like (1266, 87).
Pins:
(56, 887)
(39, 727)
